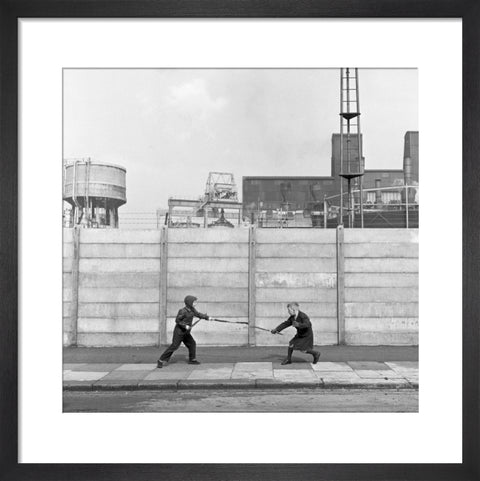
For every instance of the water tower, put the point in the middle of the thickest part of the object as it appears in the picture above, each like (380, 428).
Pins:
(95, 190)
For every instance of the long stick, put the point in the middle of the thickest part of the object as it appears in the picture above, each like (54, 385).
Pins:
(239, 322)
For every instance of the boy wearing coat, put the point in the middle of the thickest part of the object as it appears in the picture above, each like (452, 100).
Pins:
(181, 332)
(303, 340)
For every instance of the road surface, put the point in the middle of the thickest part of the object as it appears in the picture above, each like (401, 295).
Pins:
(302, 400)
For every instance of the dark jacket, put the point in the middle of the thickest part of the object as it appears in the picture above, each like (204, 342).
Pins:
(186, 314)
(303, 340)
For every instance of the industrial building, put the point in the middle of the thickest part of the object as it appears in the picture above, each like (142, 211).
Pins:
(303, 197)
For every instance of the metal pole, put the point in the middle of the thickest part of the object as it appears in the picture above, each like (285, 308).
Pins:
(325, 213)
(406, 204)
(341, 147)
(341, 201)
(361, 202)
(360, 148)
(349, 200)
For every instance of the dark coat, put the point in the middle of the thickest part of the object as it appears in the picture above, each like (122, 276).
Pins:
(186, 314)
(303, 340)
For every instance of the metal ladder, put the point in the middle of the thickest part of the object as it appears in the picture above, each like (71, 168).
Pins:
(351, 159)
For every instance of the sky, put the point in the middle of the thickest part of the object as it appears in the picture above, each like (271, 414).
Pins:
(170, 127)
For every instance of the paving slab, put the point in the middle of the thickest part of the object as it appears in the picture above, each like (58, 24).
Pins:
(83, 375)
(136, 367)
(94, 367)
(212, 373)
(331, 366)
(166, 374)
(213, 365)
(167, 366)
(248, 366)
(367, 365)
(294, 366)
(252, 370)
(299, 375)
(338, 375)
(401, 365)
(377, 374)
(126, 376)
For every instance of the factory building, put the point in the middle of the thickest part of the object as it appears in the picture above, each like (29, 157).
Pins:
(306, 194)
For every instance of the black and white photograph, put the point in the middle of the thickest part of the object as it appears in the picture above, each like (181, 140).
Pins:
(240, 240)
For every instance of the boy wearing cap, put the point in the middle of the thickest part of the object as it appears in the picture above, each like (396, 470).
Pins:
(181, 332)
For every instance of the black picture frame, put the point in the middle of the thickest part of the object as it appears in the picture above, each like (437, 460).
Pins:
(11, 11)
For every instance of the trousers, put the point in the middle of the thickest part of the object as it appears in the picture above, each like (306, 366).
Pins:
(179, 336)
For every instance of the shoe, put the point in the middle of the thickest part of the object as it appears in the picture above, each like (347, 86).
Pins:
(286, 361)
(316, 357)
(193, 361)
(159, 364)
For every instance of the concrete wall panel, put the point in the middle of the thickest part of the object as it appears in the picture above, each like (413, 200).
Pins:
(382, 324)
(305, 294)
(381, 279)
(289, 279)
(118, 310)
(97, 339)
(67, 249)
(216, 235)
(67, 235)
(130, 251)
(393, 250)
(382, 338)
(297, 250)
(207, 279)
(279, 309)
(321, 236)
(133, 280)
(296, 265)
(381, 309)
(208, 294)
(207, 250)
(91, 325)
(119, 265)
(98, 295)
(381, 265)
(119, 236)
(381, 235)
(67, 264)
(381, 294)
(207, 265)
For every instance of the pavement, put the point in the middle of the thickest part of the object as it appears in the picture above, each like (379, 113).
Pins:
(355, 367)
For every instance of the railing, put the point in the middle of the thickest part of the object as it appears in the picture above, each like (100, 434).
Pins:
(378, 203)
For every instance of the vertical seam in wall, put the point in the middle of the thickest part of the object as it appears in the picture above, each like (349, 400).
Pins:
(251, 285)
(162, 308)
(340, 286)
(75, 284)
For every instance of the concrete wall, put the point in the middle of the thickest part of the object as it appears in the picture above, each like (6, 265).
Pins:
(296, 265)
(212, 265)
(381, 286)
(124, 288)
